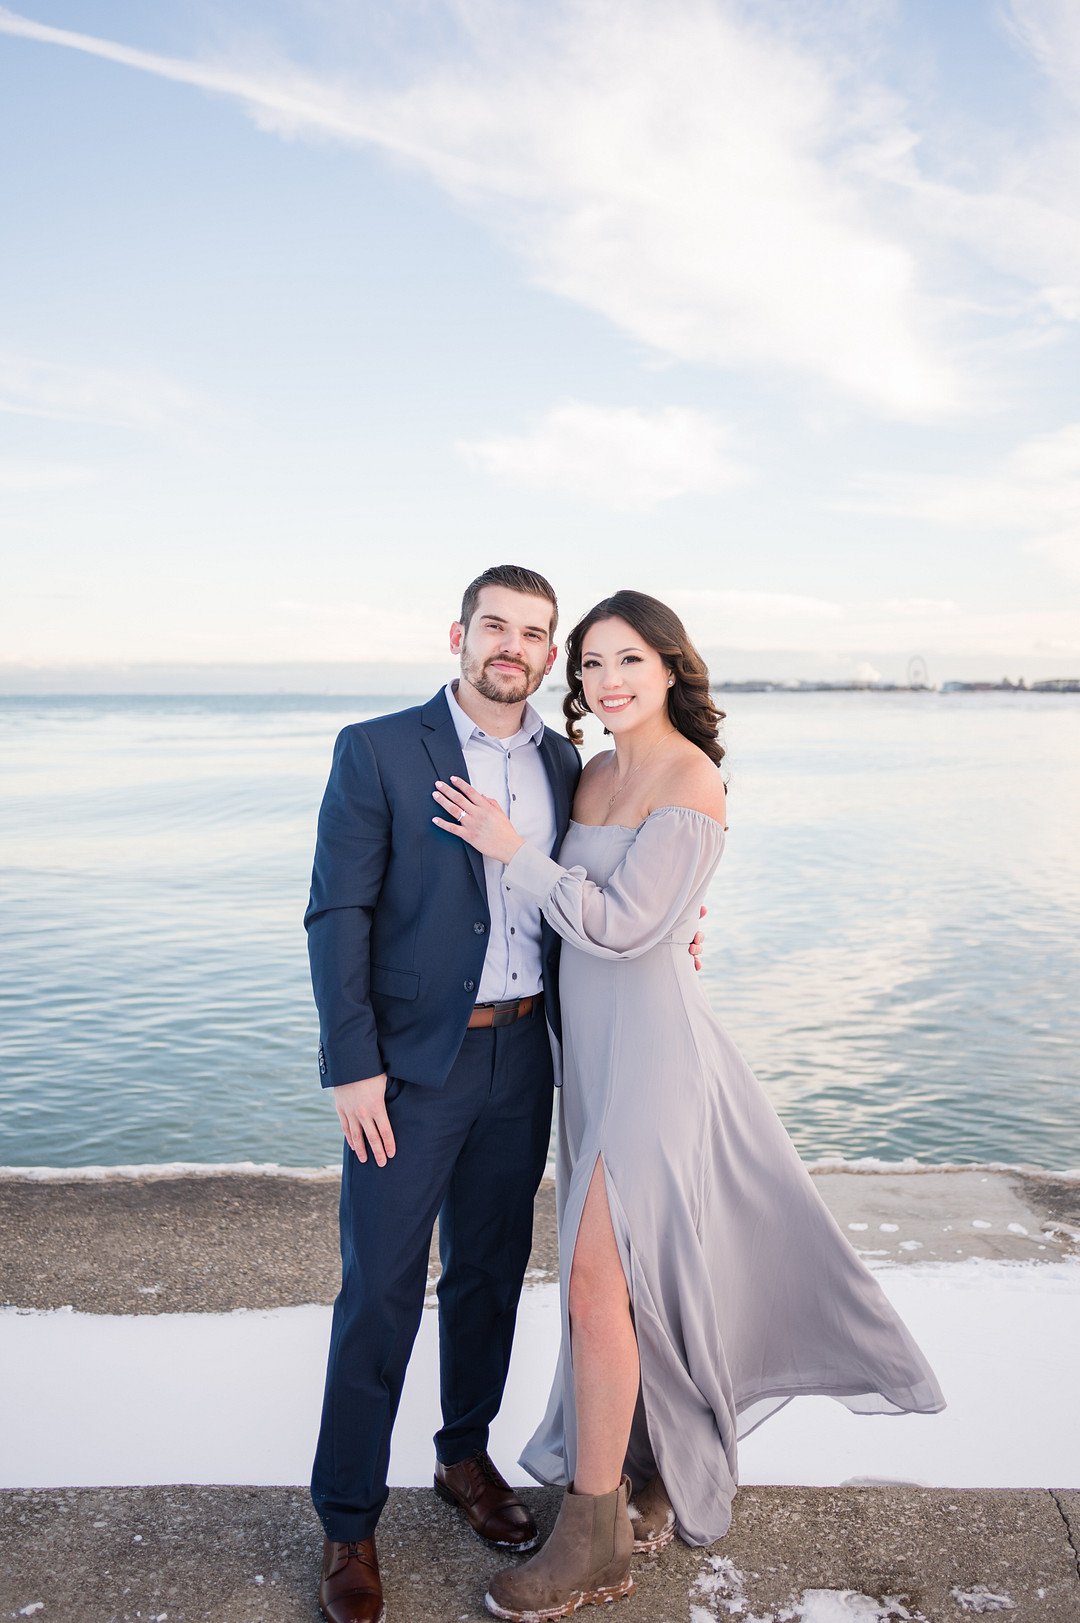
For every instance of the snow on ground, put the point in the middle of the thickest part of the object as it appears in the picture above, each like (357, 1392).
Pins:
(234, 1398)
(272, 1169)
(719, 1592)
(162, 1170)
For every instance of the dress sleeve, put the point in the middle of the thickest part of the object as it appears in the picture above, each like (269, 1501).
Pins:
(671, 859)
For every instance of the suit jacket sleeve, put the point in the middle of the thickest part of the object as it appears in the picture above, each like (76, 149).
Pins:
(351, 855)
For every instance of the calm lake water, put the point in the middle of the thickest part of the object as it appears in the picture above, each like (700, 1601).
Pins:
(893, 940)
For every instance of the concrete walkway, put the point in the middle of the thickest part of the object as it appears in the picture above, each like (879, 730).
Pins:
(250, 1555)
(210, 1242)
(214, 1242)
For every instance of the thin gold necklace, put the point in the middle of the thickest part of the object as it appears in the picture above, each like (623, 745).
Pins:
(613, 797)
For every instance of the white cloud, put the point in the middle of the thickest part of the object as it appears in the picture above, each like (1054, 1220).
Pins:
(32, 387)
(25, 478)
(674, 168)
(1062, 550)
(1033, 493)
(756, 608)
(921, 608)
(728, 185)
(296, 628)
(615, 456)
(1006, 195)
(287, 102)
(1001, 637)
(1050, 31)
(940, 629)
(679, 169)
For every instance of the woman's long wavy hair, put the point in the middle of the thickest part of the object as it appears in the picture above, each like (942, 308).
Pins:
(690, 703)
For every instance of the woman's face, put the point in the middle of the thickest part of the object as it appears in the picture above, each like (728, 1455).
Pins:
(626, 682)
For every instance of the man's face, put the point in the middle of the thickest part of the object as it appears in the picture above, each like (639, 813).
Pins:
(506, 649)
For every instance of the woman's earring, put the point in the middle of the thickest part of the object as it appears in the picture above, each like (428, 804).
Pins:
(671, 681)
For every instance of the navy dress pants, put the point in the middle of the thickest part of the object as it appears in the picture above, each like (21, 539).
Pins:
(471, 1153)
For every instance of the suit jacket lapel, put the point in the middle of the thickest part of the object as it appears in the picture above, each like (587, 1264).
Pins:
(441, 742)
(549, 751)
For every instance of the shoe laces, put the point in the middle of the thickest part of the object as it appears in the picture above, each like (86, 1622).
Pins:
(487, 1467)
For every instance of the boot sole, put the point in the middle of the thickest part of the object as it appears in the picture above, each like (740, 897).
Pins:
(380, 1619)
(653, 1544)
(584, 1597)
(515, 1547)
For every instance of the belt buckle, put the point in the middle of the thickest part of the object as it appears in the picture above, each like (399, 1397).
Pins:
(504, 1014)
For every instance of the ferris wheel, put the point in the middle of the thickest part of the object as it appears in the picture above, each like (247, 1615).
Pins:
(917, 674)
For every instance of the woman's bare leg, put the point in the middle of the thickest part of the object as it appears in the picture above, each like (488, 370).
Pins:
(604, 1347)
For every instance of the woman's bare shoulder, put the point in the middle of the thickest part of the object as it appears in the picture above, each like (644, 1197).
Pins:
(590, 800)
(596, 766)
(695, 784)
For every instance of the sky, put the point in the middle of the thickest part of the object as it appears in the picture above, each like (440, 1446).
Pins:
(310, 311)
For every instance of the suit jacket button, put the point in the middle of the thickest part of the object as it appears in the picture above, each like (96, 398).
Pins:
(479, 928)
(470, 986)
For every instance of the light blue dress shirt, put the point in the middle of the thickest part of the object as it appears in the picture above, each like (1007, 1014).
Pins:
(511, 771)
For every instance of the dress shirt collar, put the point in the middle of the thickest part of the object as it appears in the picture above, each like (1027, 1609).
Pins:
(529, 732)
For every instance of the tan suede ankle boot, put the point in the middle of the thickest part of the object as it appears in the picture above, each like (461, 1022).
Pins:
(652, 1517)
(585, 1562)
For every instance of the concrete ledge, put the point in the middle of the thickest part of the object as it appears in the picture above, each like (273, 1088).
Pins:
(176, 1242)
(250, 1555)
(188, 1244)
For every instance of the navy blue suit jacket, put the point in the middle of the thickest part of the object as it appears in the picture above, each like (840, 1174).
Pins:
(398, 918)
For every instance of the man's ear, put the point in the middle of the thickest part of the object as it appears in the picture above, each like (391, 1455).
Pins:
(550, 659)
(457, 637)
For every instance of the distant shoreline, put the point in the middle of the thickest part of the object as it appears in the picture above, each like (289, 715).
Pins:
(1058, 684)
(1067, 686)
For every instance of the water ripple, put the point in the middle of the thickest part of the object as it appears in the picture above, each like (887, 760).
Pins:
(893, 936)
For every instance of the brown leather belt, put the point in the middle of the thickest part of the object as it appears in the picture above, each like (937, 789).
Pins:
(500, 1014)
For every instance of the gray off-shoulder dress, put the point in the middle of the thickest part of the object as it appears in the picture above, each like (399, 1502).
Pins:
(745, 1293)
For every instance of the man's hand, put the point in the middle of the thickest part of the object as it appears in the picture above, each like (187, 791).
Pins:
(361, 1110)
(697, 946)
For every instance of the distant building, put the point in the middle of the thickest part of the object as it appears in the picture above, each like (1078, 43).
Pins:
(1006, 685)
(1056, 684)
(819, 687)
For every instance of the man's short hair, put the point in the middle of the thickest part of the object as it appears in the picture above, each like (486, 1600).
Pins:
(515, 579)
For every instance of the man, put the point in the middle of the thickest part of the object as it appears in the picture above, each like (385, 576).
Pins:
(431, 987)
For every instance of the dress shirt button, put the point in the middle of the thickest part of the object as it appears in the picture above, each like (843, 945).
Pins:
(470, 986)
(512, 930)
(479, 928)
(514, 976)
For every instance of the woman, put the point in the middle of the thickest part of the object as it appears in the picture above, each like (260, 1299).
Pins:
(704, 1282)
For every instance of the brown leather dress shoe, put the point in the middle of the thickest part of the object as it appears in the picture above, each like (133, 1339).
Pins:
(494, 1510)
(351, 1589)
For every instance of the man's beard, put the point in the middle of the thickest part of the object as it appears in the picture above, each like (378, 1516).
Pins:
(505, 692)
